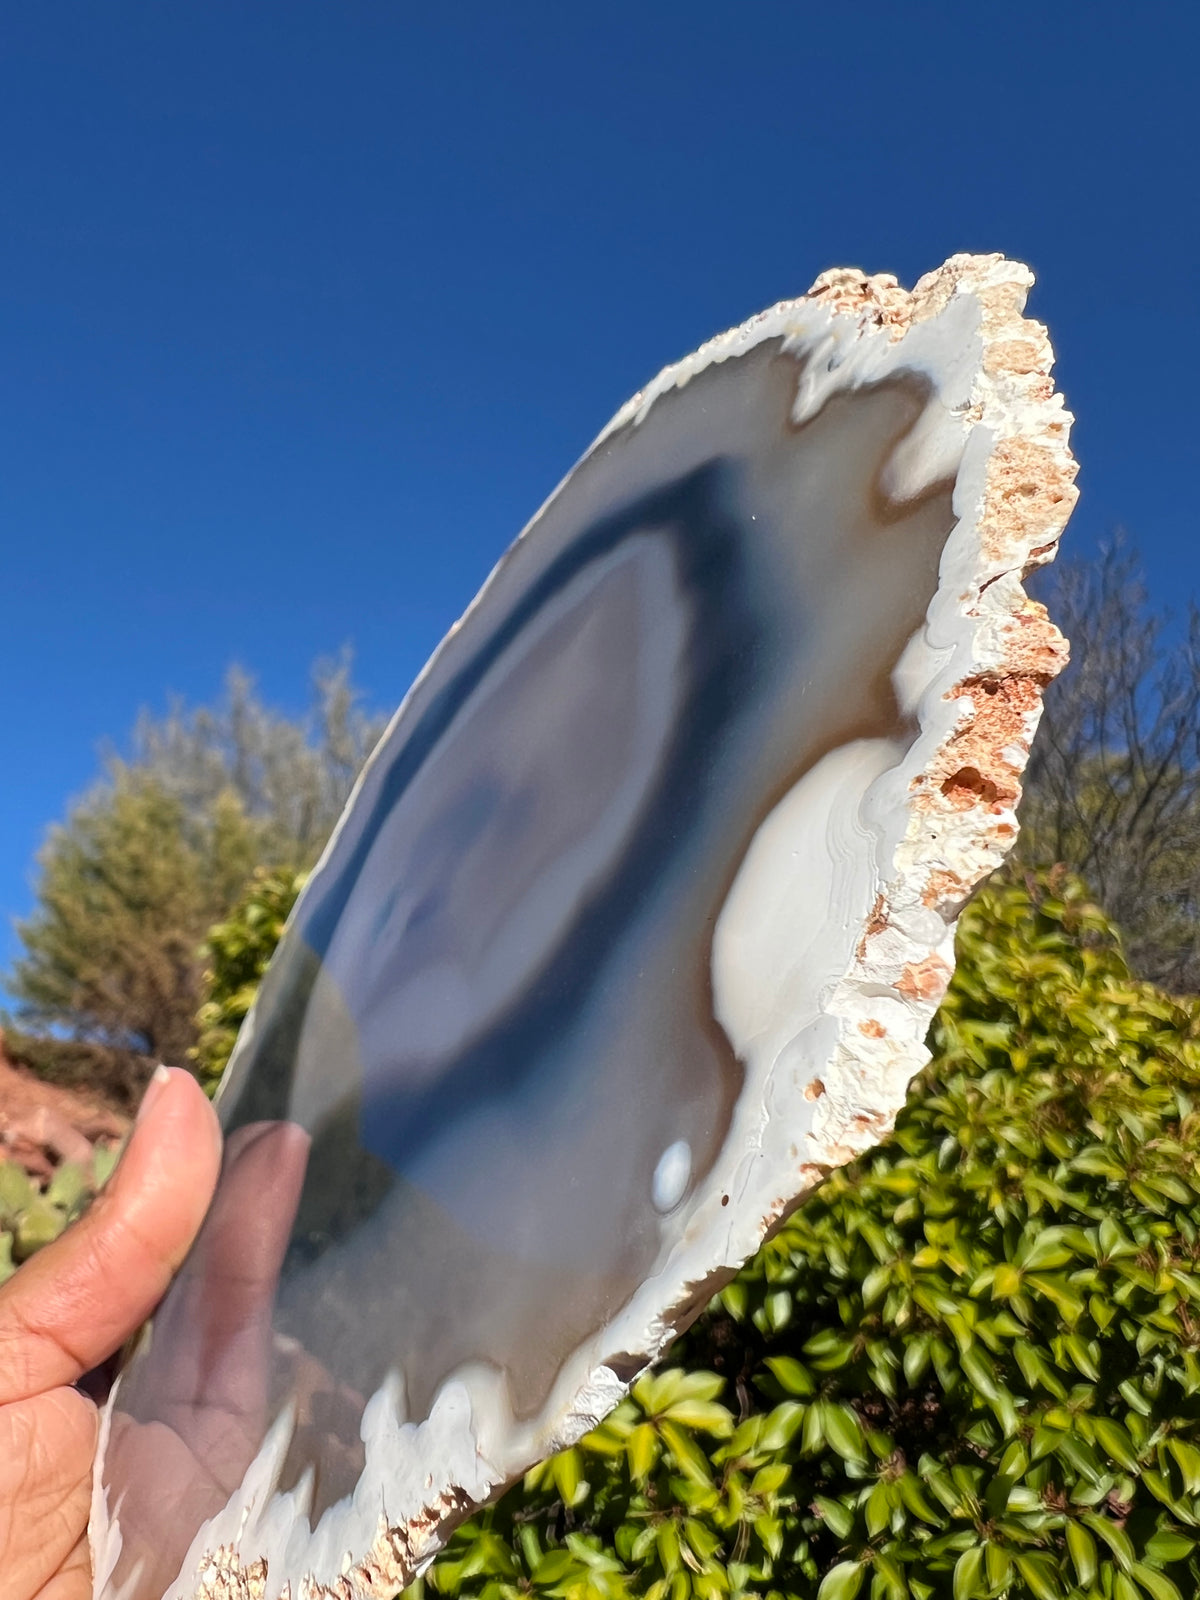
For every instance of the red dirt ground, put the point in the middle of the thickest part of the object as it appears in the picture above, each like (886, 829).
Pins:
(43, 1124)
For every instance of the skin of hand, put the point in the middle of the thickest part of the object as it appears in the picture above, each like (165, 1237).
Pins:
(67, 1309)
(192, 1409)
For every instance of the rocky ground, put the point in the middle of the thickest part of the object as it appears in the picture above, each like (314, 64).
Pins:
(43, 1125)
(57, 1146)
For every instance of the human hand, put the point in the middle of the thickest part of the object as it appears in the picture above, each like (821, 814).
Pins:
(67, 1310)
(192, 1408)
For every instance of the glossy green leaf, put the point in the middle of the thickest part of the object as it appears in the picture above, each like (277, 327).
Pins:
(1082, 1548)
(842, 1582)
(968, 1575)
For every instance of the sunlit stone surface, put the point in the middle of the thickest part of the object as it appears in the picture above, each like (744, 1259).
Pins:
(633, 925)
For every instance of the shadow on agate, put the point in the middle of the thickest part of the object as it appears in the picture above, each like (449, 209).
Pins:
(484, 1187)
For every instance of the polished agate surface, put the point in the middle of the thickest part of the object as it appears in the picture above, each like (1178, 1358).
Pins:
(582, 913)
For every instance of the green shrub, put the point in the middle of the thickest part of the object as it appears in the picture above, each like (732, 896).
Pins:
(237, 953)
(967, 1367)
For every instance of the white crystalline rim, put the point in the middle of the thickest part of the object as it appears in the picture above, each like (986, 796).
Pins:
(974, 679)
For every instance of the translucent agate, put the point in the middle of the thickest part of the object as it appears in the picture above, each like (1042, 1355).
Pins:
(632, 928)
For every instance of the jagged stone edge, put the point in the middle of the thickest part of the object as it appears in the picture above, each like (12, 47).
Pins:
(962, 811)
(969, 788)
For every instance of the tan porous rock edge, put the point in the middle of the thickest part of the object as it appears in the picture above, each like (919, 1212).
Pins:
(948, 823)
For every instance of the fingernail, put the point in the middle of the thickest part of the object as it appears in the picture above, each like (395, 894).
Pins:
(154, 1089)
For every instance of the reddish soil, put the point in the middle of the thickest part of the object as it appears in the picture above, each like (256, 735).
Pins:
(43, 1124)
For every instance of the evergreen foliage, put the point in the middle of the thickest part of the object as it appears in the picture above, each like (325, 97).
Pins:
(967, 1368)
(127, 887)
(159, 850)
(290, 775)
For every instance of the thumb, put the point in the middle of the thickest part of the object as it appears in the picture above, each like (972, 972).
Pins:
(69, 1307)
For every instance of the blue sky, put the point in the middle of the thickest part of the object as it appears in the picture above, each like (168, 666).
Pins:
(305, 307)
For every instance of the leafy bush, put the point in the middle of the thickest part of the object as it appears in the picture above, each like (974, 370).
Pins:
(968, 1367)
(238, 951)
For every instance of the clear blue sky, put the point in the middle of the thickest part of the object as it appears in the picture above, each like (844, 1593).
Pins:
(306, 306)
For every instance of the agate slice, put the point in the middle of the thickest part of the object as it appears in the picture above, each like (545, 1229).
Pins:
(632, 928)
